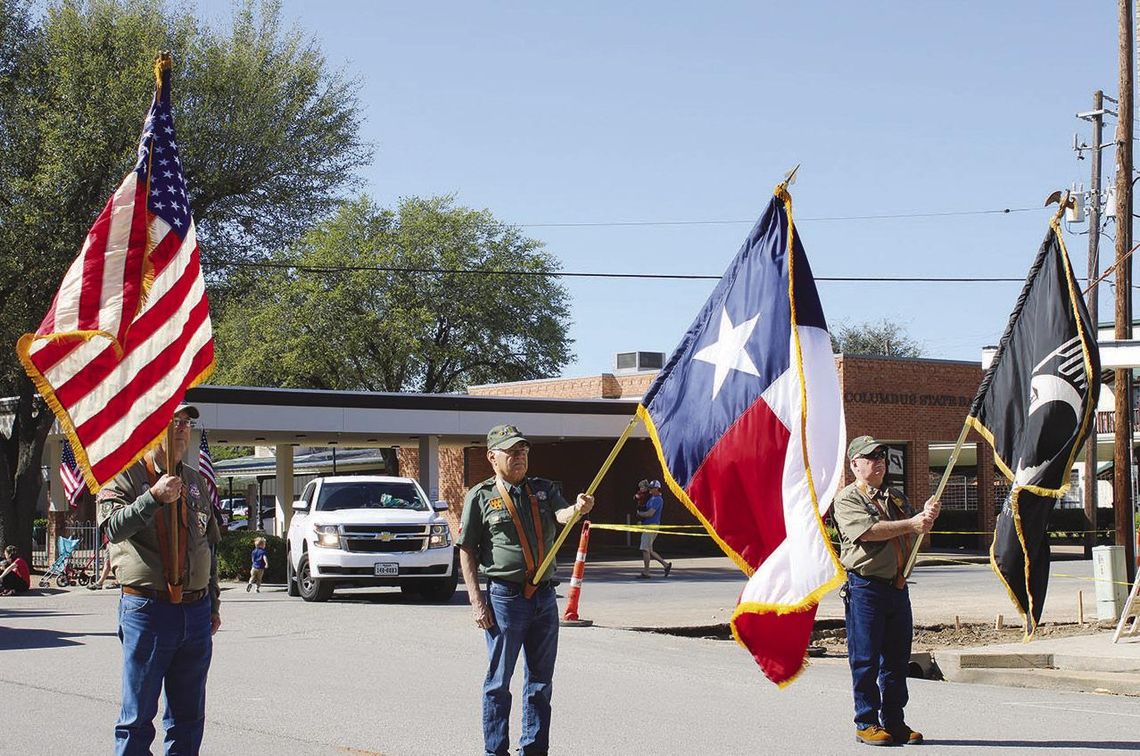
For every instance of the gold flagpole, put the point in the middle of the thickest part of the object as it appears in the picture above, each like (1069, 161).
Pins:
(542, 568)
(938, 493)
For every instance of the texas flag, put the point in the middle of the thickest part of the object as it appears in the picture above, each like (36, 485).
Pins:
(748, 422)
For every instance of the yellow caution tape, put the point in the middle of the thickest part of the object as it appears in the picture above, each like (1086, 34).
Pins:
(672, 530)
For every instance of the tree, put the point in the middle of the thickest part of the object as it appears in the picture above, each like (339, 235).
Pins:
(269, 136)
(885, 338)
(342, 309)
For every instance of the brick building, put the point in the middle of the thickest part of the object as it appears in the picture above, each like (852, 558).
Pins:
(917, 406)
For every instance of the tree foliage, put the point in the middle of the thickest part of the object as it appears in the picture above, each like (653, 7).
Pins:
(269, 137)
(885, 338)
(341, 310)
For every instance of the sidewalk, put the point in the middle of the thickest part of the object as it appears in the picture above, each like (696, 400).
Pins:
(1089, 663)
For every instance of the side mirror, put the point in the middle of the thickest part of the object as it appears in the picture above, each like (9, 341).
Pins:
(300, 505)
(441, 506)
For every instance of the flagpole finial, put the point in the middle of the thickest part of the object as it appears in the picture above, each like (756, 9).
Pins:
(162, 63)
(790, 176)
(1064, 199)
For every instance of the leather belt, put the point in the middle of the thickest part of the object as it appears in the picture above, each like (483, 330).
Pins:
(542, 584)
(188, 597)
(872, 579)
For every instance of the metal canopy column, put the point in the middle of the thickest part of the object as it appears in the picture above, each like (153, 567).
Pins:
(429, 466)
(284, 488)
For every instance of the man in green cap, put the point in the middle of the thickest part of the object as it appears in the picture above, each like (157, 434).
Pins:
(877, 530)
(509, 524)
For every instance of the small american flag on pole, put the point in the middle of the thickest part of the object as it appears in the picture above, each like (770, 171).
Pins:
(206, 468)
(71, 476)
(129, 331)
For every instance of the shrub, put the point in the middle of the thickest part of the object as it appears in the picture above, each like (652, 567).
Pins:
(234, 550)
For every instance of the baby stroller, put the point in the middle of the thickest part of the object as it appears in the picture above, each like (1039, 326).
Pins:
(60, 569)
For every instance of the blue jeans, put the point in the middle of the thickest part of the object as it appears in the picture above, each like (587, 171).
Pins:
(529, 625)
(163, 643)
(879, 632)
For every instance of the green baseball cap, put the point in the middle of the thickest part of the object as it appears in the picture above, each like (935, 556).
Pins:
(861, 445)
(504, 437)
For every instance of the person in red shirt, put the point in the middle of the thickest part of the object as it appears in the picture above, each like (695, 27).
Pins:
(16, 578)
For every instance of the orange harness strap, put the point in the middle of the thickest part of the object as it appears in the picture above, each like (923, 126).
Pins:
(529, 555)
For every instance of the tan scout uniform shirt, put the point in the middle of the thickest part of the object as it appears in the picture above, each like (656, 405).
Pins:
(126, 511)
(855, 511)
(486, 526)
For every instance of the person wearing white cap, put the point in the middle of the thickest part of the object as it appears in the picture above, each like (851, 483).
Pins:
(650, 514)
(161, 532)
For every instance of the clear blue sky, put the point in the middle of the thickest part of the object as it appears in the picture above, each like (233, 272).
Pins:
(591, 112)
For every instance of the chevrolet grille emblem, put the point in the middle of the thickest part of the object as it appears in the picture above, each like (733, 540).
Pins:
(386, 536)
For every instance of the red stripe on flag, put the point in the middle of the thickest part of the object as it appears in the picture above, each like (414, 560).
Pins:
(136, 257)
(152, 426)
(46, 357)
(144, 379)
(739, 491)
(777, 641)
(157, 316)
(91, 295)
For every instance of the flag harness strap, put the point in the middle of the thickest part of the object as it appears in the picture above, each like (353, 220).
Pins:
(900, 566)
(171, 554)
(528, 555)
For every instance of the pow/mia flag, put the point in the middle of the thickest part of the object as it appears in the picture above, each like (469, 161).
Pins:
(1035, 407)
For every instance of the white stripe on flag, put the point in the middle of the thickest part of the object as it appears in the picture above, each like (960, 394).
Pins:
(81, 357)
(114, 261)
(803, 563)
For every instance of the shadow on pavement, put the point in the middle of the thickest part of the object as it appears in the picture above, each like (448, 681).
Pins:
(22, 639)
(1104, 745)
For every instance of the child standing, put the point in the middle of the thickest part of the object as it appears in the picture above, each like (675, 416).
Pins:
(259, 561)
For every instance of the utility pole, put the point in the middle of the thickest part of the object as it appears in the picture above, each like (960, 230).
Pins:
(1097, 117)
(1122, 385)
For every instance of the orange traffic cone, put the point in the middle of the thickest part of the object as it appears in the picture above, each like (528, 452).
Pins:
(570, 616)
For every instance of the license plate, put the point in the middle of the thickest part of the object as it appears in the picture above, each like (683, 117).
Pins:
(386, 568)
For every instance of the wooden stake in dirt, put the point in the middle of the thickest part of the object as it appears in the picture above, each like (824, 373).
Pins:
(999, 623)
(957, 623)
(1080, 608)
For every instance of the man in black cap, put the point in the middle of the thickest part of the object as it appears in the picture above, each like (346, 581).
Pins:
(877, 531)
(161, 532)
(508, 526)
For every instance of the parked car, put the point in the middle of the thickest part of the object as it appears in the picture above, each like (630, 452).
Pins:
(268, 517)
(369, 530)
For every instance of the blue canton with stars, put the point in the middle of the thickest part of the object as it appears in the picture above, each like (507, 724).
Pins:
(158, 154)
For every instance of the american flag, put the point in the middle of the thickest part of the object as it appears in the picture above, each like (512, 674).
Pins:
(71, 476)
(129, 331)
(206, 468)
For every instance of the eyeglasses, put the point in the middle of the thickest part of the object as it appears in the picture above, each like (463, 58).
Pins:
(179, 423)
(877, 454)
(515, 451)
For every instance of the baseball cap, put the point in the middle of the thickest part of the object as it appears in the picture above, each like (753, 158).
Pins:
(861, 445)
(655, 484)
(189, 409)
(504, 437)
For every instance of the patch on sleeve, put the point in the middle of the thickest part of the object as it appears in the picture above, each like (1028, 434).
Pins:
(540, 495)
(203, 521)
(495, 504)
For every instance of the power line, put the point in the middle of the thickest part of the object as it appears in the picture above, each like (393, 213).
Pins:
(332, 269)
(885, 216)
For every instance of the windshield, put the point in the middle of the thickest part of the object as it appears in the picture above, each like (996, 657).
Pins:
(369, 495)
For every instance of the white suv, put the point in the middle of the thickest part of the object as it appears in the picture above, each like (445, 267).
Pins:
(365, 530)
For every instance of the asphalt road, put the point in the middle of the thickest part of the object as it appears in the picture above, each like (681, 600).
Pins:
(371, 672)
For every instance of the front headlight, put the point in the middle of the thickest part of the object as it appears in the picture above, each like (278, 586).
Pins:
(326, 535)
(440, 537)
